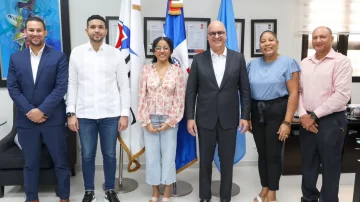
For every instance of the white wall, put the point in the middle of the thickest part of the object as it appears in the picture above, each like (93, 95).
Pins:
(285, 11)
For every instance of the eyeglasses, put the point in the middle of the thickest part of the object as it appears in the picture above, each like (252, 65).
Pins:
(158, 48)
(219, 33)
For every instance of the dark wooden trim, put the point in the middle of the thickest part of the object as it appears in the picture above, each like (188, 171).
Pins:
(65, 27)
(253, 22)
(146, 19)
(242, 34)
(342, 44)
(107, 24)
(304, 46)
(356, 195)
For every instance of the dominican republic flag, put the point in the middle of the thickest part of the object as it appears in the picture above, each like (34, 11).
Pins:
(175, 30)
(130, 42)
(226, 16)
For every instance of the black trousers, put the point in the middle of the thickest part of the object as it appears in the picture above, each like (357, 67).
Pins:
(325, 149)
(31, 142)
(267, 141)
(226, 139)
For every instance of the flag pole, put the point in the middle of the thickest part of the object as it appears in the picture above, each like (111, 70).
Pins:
(123, 185)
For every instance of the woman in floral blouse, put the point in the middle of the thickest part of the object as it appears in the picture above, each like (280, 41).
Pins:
(161, 107)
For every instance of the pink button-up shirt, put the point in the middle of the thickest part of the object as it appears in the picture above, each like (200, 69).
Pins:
(325, 85)
(161, 98)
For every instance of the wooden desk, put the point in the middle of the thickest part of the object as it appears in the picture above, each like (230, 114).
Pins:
(356, 195)
(292, 154)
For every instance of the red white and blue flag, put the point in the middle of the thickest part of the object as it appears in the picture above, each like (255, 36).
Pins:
(130, 42)
(175, 30)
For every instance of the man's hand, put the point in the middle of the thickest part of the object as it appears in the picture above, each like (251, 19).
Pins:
(314, 128)
(245, 125)
(35, 115)
(306, 121)
(192, 128)
(309, 124)
(73, 123)
(123, 123)
(150, 128)
(163, 127)
(43, 119)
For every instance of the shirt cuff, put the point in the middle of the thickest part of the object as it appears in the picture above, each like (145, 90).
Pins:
(125, 112)
(70, 109)
(319, 113)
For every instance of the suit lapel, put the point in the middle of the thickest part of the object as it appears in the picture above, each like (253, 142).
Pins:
(28, 64)
(209, 67)
(43, 59)
(227, 68)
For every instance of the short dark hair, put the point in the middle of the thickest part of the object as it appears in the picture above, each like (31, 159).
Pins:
(271, 32)
(37, 19)
(95, 17)
(168, 41)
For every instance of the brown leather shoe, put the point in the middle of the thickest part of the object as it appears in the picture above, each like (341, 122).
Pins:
(33, 201)
(67, 200)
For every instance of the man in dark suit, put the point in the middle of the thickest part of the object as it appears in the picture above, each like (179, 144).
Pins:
(37, 83)
(216, 78)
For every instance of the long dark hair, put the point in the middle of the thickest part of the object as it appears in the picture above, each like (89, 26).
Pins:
(168, 41)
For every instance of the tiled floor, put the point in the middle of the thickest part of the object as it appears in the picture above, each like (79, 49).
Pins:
(246, 177)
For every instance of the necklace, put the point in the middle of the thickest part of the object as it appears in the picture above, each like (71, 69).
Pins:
(161, 74)
(267, 63)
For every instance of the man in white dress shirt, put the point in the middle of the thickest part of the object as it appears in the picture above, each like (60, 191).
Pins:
(98, 102)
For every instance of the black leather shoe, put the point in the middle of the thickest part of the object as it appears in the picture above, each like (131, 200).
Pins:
(205, 200)
(224, 200)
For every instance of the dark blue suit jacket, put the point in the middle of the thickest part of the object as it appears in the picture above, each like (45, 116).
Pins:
(46, 94)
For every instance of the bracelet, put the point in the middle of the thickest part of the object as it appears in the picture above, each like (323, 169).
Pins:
(287, 123)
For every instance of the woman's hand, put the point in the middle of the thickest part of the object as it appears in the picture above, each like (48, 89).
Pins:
(284, 132)
(151, 128)
(163, 127)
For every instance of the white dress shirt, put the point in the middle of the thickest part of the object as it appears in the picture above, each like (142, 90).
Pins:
(98, 83)
(219, 62)
(35, 61)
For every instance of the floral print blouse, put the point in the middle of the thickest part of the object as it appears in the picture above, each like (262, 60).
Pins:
(161, 98)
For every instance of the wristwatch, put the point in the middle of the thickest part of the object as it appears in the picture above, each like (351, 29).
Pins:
(313, 116)
(70, 114)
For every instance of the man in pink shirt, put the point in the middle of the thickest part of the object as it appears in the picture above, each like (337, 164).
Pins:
(325, 89)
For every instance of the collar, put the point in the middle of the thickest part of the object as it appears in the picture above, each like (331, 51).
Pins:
(224, 53)
(90, 48)
(330, 54)
(39, 53)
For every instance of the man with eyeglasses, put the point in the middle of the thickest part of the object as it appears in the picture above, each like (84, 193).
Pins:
(216, 77)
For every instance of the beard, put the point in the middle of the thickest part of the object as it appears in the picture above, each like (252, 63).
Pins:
(36, 43)
(92, 38)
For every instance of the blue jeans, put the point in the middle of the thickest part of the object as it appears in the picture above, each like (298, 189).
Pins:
(160, 150)
(107, 128)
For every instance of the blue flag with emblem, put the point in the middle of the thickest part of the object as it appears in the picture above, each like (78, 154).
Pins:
(175, 30)
(226, 16)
